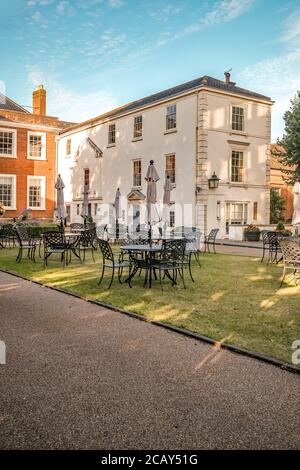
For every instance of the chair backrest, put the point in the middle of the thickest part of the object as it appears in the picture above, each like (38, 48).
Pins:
(76, 226)
(290, 251)
(100, 231)
(264, 236)
(53, 239)
(272, 238)
(212, 234)
(87, 237)
(8, 230)
(106, 250)
(122, 231)
(22, 233)
(173, 250)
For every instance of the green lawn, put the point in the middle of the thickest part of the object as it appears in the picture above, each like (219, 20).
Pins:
(235, 299)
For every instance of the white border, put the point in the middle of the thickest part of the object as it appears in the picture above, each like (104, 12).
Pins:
(14, 132)
(43, 135)
(14, 192)
(43, 192)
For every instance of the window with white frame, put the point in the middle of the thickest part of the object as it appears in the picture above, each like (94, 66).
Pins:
(237, 118)
(236, 213)
(171, 117)
(7, 143)
(36, 146)
(137, 173)
(170, 167)
(68, 147)
(36, 192)
(138, 127)
(8, 191)
(111, 134)
(237, 166)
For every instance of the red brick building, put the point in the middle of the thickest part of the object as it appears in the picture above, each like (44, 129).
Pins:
(28, 157)
(278, 184)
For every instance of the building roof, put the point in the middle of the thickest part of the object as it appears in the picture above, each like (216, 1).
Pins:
(10, 105)
(198, 83)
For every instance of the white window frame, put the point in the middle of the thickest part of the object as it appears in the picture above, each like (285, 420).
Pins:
(43, 135)
(43, 192)
(140, 131)
(238, 148)
(109, 135)
(14, 132)
(238, 105)
(171, 129)
(133, 175)
(173, 183)
(13, 207)
(70, 153)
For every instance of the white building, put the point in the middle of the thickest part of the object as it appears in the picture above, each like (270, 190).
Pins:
(191, 131)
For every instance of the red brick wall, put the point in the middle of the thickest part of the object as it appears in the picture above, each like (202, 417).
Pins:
(22, 167)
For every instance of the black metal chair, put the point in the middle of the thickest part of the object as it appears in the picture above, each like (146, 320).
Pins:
(171, 260)
(26, 242)
(86, 243)
(100, 231)
(210, 239)
(76, 227)
(265, 241)
(109, 262)
(54, 242)
(7, 236)
(193, 238)
(273, 246)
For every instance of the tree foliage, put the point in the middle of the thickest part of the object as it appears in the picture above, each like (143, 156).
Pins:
(277, 206)
(288, 148)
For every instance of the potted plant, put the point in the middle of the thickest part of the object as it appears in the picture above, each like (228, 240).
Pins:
(252, 233)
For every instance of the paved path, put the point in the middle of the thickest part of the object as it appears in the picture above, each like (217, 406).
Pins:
(81, 376)
(240, 250)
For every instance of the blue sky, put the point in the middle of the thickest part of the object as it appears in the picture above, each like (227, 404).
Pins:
(94, 55)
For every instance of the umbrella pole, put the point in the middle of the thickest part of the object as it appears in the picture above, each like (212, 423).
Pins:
(117, 229)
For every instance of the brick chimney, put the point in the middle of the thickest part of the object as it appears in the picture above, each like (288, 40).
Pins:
(39, 101)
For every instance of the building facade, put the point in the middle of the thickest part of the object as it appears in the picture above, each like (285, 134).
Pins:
(28, 157)
(191, 131)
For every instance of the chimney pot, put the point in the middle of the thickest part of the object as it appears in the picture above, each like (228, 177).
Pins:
(227, 77)
(39, 101)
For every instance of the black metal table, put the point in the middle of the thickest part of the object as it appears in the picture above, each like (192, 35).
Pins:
(149, 251)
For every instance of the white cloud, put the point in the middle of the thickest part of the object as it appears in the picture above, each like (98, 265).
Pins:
(115, 3)
(67, 104)
(226, 10)
(292, 29)
(279, 78)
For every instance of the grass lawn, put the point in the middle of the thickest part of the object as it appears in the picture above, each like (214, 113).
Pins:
(235, 299)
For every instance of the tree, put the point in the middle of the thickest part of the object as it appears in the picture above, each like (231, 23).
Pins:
(288, 148)
(277, 206)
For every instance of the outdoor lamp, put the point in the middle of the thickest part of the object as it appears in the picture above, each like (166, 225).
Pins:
(213, 181)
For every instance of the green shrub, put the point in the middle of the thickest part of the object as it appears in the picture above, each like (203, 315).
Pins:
(35, 231)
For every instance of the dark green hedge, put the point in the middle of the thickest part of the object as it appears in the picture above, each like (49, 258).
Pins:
(37, 230)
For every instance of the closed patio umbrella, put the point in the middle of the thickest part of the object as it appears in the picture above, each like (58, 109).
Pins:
(296, 215)
(117, 206)
(85, 204)
(60, 203)
(152, 212)
(166, 202)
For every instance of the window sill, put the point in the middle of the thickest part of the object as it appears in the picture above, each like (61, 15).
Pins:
(170, 131)
(44, 159)
(10, 208)
(4, 155)
(37, 208)
(110, 146)
(139, 188)
(242, 133)
(238, 185)
(137, 139)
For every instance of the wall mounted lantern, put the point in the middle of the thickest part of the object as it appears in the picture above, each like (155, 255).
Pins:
(213, 181)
